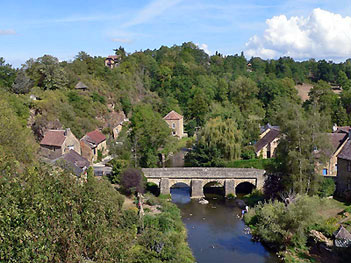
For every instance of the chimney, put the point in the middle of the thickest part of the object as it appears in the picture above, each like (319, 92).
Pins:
(67, 131)
(335, 127)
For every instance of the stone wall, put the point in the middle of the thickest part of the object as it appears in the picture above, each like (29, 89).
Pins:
(197, 178)
(343, 179)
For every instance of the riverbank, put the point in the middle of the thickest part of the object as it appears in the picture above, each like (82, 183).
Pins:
(291, 229)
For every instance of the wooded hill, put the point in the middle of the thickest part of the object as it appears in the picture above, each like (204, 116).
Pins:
(181, 78)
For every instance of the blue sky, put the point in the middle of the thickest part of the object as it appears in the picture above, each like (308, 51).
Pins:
(63, 28)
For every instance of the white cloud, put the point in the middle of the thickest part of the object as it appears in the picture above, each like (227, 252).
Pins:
(7, 32)
(204, 47)
(322, 34)
(122, 40)
(152, 10)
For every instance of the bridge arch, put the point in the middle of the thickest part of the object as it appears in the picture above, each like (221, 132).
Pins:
(213, 186)
(245, 187)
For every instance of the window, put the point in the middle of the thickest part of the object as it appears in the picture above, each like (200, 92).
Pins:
(325, 171)
(336, 167)
(173, 125)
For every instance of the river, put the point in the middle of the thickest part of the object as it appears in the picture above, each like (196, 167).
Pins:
(215, 233)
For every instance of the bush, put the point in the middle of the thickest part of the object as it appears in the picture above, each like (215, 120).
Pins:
(117, 168)
(283, 226)
(132, 181)
(248, 153)
(327, 187)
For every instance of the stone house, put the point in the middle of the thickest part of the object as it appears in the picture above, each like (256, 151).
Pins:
(115, 121)
(343, 178)
(55, 143)
(265, 147)
(112, 61)
(175, 123)
(73, 161)
(337, 142)
(91, 144)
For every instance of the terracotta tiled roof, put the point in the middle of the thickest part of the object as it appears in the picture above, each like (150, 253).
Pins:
(346, 152)
(173, 116)
(113, 56)
(53, 138)
(268, 138)
(96, 136)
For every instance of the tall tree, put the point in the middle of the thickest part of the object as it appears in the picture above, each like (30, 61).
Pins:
(150, 134)
(301, 148)
(218, 140)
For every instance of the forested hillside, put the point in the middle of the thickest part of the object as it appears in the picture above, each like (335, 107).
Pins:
(182, 78)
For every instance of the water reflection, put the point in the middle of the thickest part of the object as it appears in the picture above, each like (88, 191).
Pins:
(215, 231)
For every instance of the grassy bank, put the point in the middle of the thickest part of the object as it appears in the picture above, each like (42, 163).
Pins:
(253, 163)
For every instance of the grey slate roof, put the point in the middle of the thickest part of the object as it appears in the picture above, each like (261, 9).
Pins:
(73, 160)
(268, 138)
(346, 152)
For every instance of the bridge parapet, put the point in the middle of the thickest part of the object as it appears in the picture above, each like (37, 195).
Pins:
(202, 172)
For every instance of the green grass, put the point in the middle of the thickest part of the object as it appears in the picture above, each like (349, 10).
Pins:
(253, 163)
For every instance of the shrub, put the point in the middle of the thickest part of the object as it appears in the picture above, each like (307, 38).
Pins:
(132, 180)
(117, 168)
(327, 187)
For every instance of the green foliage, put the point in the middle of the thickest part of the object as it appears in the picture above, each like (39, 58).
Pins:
(15, 140)
(219, 140)
(253, 163)
(149, 134)
(327, 187)
(302, 146)
(117, 167)
(254, 198)
(7, 74)
(284, 225)
(42, 220)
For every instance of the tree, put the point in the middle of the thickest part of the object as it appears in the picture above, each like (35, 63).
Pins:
(7, 74)
(302, 146)
(47, 72)
(150, 133)
(218, 140)
(15, 140)
(22, 83)
(132, 180)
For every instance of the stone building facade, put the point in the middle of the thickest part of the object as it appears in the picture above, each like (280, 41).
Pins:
(265, 147)
(175, 123)
(93, 143)
(343, 179)
(55, 143)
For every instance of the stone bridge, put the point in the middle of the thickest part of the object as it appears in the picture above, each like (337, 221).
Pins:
(197, 178)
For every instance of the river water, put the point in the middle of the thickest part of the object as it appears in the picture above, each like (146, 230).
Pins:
(216, 234)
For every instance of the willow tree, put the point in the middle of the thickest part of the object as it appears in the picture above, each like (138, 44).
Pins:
(218, 141)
